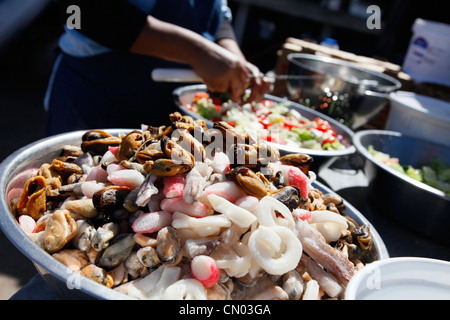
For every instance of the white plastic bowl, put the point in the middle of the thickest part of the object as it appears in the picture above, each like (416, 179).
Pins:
(404, 278)
(419, 116)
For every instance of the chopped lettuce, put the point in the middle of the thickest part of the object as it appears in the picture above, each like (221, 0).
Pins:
(436, 175)
(304, 134)
(276, 118)
(206, 109)
(414, 173)
(279, 108)
(397, 166)
(380, 156)
(336, 145)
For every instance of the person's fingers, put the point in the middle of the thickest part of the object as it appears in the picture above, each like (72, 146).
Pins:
(260, 86)
(236, 90)
(240, 82)
(216, 85)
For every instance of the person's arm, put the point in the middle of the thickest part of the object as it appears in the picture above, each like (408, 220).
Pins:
(121, 26)
(226, 38)
(220, 69)
(259, 85)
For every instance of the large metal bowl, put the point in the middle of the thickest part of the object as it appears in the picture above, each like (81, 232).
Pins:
(61, 279)
(66, 283)
(185, 95)
(339, 89)
(410, 202)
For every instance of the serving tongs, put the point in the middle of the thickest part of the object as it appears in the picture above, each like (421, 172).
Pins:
(188, 75)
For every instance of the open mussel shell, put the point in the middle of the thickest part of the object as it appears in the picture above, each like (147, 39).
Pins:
(65, 282)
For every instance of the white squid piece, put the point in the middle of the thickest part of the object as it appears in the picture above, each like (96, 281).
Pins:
(234, 264)
(249, 203)
(311, 291)
(236, 214)
(185, 289)
(90, 187)
(329, 224)
(269, 211)
(108, 157)
(196, 181)
(275, 263)
(204, 227)
(220, 163)
(153, 286)
(113, 167)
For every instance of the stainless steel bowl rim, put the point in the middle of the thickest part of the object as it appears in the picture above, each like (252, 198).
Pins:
(284, 148)
(33, 252)
(380, 93)
(38, 256)
(363, 150)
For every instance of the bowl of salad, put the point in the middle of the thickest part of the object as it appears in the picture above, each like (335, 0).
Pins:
(291, 127)
(409, 179)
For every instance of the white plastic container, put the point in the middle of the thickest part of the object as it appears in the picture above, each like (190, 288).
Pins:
(427, 59)
(419, 116)
(403, 278)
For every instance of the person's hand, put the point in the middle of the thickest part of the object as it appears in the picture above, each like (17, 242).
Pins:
(223, 71)
(260, 85)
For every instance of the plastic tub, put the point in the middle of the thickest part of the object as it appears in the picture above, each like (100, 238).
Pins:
(428, 52)
(419, 116)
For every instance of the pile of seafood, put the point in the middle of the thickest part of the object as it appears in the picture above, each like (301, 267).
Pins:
(186, 212)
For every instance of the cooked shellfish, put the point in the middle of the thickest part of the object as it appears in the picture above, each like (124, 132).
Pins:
(33, 200)
(59, 230)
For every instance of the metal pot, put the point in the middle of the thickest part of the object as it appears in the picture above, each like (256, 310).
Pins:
(339, 89)
(65, 282)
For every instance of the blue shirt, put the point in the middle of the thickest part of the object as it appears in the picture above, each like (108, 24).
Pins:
(202, 16)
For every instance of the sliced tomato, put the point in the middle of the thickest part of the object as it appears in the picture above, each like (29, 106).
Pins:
(322, 125)
(332, 132)
(199, 95)
(266, 103)
(188, 106)
(271, 138)
(264, 121)
(330, 140)
(290, 125)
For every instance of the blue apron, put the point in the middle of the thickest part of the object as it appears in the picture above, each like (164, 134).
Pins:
(93, 87)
